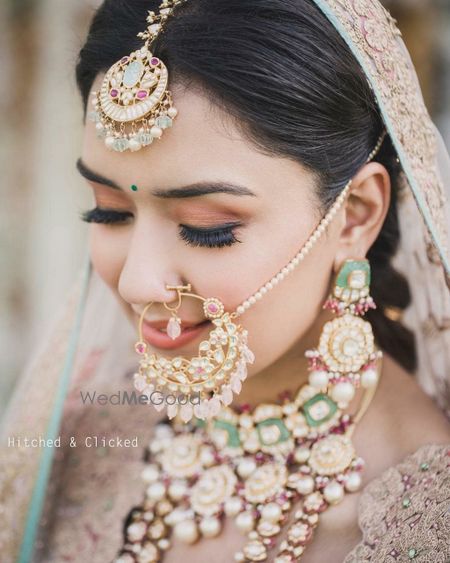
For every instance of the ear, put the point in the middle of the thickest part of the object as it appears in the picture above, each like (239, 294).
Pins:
(365, 211)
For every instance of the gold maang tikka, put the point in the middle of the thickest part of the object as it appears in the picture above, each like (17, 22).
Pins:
(134, 105)
(219, 368)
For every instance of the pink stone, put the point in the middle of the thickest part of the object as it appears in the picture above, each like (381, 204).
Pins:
(124, 60)
(213, 308)
(142, 94)
(154, 61)
(113, 93)
(140, 347)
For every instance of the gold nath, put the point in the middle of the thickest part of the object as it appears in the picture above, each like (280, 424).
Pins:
(134, 105)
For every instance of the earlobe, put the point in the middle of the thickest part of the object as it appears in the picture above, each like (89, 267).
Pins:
(365, 212)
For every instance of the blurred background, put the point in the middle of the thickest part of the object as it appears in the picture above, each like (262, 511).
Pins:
(42, 240)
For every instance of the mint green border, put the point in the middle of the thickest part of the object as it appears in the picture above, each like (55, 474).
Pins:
(45, 464)
(325, 8)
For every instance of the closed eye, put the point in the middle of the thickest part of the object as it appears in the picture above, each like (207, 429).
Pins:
(105, 216)
(211, 238)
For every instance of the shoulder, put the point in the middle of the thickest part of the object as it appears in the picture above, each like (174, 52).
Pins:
(404, 513)
(414, 418)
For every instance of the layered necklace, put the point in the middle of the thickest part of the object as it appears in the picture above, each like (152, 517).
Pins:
(256, 467)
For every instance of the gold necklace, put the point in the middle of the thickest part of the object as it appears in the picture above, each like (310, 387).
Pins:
(253, 467)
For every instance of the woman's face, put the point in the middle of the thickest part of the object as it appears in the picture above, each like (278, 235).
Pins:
(271, 215)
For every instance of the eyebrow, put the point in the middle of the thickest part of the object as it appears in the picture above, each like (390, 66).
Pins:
(191, 190)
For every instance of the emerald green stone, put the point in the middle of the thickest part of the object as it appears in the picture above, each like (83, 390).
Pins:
(412, 553)
(199, 422)
(233, 434)
(319, 409)
(424, 467)
(134, 188)
(284, 433)
(406, 502)
(349, 267)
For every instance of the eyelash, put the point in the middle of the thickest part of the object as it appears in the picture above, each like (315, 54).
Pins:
(105, 216)
(210, 238)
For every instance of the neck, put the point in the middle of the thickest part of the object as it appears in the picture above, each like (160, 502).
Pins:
(287, 374)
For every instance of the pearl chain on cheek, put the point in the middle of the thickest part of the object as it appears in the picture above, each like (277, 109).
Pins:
(299, 257)
(304, 251)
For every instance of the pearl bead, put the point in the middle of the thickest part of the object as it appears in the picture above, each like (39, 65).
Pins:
(239, 557)
(240, 309)
(353, 482)
(246, 467)
(369, 378)
(301, 454)
(258, 295)
(318, 379)
(271, 512)
(280, 276)
(269, 285)
(245, 521)
(156, 132)
(343, 392)
(333, 492)
(134, 145)
(150, 473)
(252, 300)
(172, 112)
(177, 490)
(290, 267)
(233, 506)
(305, 485)
(210, 527)
(186, 531)
(109, 142)
(263, 290)
(274, 281)
(156, 491)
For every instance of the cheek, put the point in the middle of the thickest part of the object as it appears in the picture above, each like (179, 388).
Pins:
(286, 314)
(108, 250)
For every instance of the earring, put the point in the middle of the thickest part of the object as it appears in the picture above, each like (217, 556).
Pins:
(346, 356)
(208, 380)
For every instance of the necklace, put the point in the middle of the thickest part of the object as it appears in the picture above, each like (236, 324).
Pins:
(251, 466)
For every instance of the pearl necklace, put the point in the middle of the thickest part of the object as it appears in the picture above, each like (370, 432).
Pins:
(253, 467)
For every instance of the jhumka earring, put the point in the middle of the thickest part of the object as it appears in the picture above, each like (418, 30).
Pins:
(346, 357)
(134, 105)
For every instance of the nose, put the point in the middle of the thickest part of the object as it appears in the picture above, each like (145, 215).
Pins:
(148, 267)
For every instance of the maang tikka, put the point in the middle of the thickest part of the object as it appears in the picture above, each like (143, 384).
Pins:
(134, 105)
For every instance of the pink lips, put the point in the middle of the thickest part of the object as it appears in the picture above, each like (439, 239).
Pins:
(162, 340)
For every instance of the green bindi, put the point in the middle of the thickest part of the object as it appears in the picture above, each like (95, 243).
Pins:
(134, 187)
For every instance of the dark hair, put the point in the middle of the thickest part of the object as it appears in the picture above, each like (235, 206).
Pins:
(282, 70)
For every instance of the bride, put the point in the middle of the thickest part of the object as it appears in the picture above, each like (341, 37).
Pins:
(267, 286)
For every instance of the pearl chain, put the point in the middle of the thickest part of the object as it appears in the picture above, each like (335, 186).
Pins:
(299, 257)
(304, 251)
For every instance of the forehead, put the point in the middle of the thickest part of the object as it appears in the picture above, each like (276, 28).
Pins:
(204, 144)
